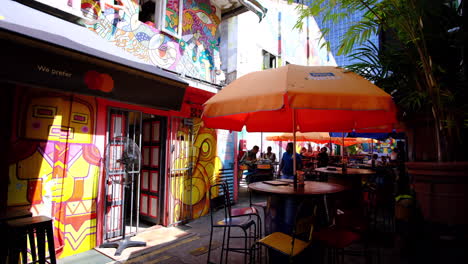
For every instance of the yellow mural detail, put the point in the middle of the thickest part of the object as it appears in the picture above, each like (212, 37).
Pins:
(78, 239)
(194, 192)
(57, 174)
(187, 22)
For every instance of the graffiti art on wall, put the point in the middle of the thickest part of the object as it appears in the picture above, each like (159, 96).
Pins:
(54, 165)
(206, 165)
(195, 54)
(171, 21)
(385, 146)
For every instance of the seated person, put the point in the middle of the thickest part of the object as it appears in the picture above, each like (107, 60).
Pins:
(374, 161)
(303, 151)
(394, 160)
(322, 158)
(384, 161)
(316, 152)
(269, 155)
(249, 158)
(286, 169)
(394, 154)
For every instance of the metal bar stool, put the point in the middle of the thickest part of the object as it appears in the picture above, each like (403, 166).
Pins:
(221, 201)
(37, 228)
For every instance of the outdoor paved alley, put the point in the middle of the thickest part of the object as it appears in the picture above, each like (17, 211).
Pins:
(179, 251)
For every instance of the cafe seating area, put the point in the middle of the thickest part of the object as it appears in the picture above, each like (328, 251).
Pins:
(344, 207)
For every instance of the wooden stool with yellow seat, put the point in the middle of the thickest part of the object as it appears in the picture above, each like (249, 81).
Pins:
(290, 245)
(333, 239)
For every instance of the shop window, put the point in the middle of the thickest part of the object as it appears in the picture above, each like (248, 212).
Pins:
(269, 60)
(165, 15)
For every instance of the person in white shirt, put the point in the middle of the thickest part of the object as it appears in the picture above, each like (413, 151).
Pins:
(394, 155)
(374, 161)
(269, 155)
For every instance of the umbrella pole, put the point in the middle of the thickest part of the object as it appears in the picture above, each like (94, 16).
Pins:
(280, 158)
(279, 151)
(294, 148)
(261, 144)
(342, 147)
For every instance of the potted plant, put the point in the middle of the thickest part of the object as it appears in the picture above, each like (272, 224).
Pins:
(422, 62)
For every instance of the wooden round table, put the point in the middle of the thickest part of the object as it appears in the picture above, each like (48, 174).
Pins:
(283, 201)
(352, 179)
(349, 171)
(286, 187)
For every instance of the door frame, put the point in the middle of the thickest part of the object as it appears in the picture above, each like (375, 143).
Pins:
(162, 163)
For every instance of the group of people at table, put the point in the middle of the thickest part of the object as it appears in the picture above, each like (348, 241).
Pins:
(306, 159)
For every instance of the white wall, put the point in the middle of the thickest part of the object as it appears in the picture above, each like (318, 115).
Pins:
(253, 37)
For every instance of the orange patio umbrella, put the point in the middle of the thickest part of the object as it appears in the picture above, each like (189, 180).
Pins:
(299, 98)
(316, 98)
(317, 137)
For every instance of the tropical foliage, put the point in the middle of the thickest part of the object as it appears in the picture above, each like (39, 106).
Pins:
(419, 61)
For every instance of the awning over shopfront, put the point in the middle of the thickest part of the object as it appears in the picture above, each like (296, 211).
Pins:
(45, 51)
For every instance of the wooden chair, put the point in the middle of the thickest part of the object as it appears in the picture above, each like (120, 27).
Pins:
(38, 228)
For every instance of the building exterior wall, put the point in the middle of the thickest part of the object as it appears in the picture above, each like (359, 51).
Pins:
(62, 176)
(208, 152)
(246, 37)
(53, 172)
(229, 32)
(56, 167)
(194, 54)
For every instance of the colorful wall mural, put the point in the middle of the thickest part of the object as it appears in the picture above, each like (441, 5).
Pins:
(207, 158)
(194, 54)
(171, 18)
(54, 164)
(382, 147)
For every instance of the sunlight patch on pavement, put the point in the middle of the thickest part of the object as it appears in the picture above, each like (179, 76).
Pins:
(156, 252)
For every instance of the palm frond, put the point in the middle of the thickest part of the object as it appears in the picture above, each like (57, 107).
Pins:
(357, 34)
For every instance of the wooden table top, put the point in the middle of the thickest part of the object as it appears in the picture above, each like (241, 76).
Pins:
(349, 171)
(310, 187)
